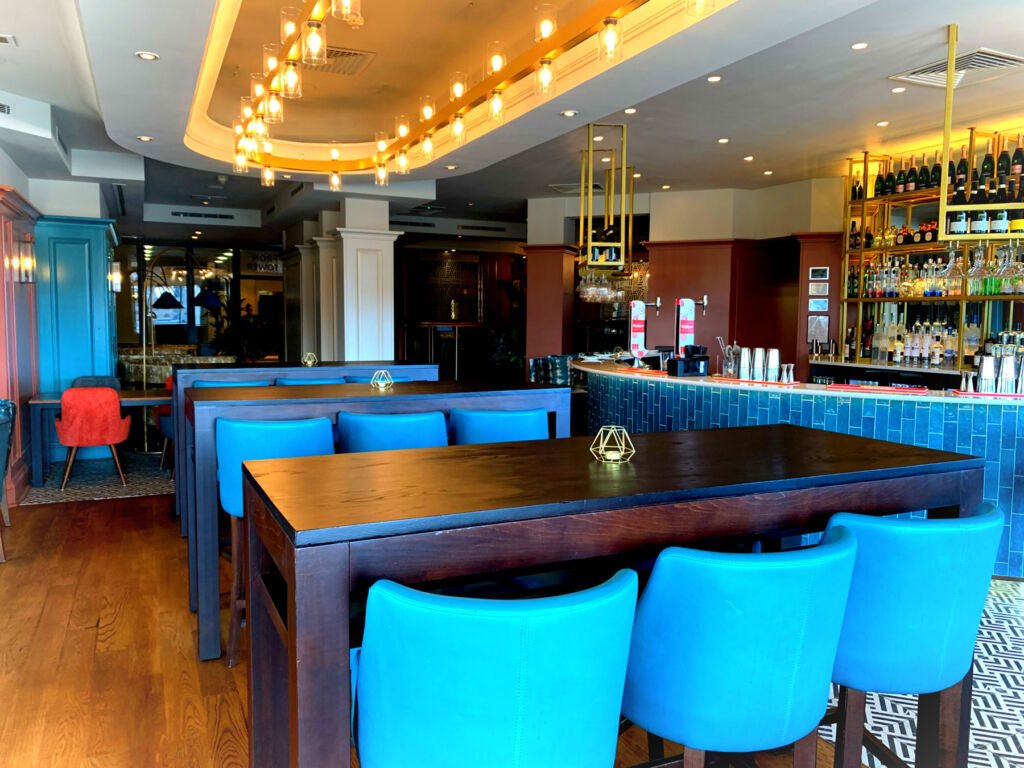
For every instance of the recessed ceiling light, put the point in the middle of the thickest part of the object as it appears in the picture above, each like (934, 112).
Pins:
(569, 113)
(723, 140)
(898, 89)
(198, 232)
(749, 158)
(606, 159)
(144, 138)
(768, 173)
(666, 186)
(470, 204)
(859, 46)
(715, 79)
(636, 175)
(195, 237)
(630, 110)
(599, 138)
(206, 202)
(287, 175)
(147, 55)
(451, 167)
(882, 123)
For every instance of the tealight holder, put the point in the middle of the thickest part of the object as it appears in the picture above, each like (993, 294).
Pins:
(381, 380)
(309, 359)
(612, 446)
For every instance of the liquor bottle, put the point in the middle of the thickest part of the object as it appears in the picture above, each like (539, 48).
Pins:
(869, 238)
(961, 167)
(979, 219)
(924, 179)
(901, 179)
(849, 346)
(890, 182)
(938, 351)
(856, 184)
(1003, 163)
(897, 350)
(952, 169)
(911, 183)
(999, 222)
(1016, 216)
(1017, 161)
(854, 237)
(936, 179)
(957, 221)
(879, 182)
(988, 165)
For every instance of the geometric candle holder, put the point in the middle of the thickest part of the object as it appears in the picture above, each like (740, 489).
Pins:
(612, 446)
(309, 359)
(381, 380)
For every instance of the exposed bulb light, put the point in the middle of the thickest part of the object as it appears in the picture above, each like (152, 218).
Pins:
(495, 59)
(246, 108)
(546, 22)
(606, 159)
(636, 175)
(427, 109)
(270, 51)
(147, 55)
(882, 123)
(748, 158)
(768, 173)
(544, 79)
(334, 181)
(274, 108)
(427, 147)
(568, 113)
(714, 78)
(291, 81)
(198, 232)
(496, 106)
(314, 44)
(380, 176)
(289, 22)
(256, 86)
(859, 46)
(195, 237)
(402, 163)
(380, 140)
(723, 140)
(458, 129)
(451, 167)
(456, 86)
(599, 138)
(666, 186)
(267, 176)
(630, 110)
(401, 126)
(268, 147)
(609, 42)
(349, 11)
(241, 164)
(898, 89)
(144, 138)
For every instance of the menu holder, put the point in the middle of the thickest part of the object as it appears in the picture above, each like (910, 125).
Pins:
(872, 388)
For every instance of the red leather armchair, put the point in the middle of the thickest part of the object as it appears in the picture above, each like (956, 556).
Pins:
(91, 416)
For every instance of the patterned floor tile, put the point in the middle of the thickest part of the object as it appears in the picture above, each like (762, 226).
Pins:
(97, 479)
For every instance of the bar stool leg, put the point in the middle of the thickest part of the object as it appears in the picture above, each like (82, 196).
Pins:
(3, 558)
(68, 461)
(655, 746)
(237, 588)
(694, 758)
(805, 751)
(117, 461)
(938, 721)
(163, 452)
(3, 508)
(850, 728)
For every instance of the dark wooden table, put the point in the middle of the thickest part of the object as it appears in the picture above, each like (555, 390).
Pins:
(183, 374)
(45, 405)
(204, 406)
(322, 528)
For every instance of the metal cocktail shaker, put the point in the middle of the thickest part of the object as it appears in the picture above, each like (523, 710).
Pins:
(1007, 376)
(987, 375)
(745, 363)
(771, 372)
(757, 365)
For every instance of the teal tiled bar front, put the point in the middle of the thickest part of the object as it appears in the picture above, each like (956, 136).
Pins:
(987, 427)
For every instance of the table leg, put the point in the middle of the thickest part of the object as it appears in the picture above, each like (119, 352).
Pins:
(35, 418)
(185, 489)
(205, 535)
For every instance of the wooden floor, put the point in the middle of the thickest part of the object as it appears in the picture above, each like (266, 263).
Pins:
(98, 664)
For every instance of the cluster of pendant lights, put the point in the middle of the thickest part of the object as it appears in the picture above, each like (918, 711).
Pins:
(264, 107)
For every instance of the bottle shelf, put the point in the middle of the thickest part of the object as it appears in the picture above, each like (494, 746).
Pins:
(929, 299)
(917, 197)
(932, 247)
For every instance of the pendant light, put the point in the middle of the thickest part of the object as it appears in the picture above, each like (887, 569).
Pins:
(334, 180)
(544, 79)
(289, 22)
(495, 59)
(610, 41)
(496, 106)
(380, 175)
(458, 129)
(427, 147)
(427, 109)
(267, 176)
(314, 44)
(291, 80)
(402, 163)
(380, 141)
(456, 86)
(546, 22)
(401, 126)
(241, 164)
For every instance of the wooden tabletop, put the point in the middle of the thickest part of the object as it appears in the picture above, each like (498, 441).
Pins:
(346, 497)
(293, 364)
(337, 391)
(128, 397)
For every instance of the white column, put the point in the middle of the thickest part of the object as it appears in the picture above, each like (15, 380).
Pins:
(330, 297)
(301, 302)
(366, 294)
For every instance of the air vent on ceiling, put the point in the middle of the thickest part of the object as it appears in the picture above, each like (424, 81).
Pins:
(433, 209)
(207, 216)
(5, 109)
(208, 198)
(573, 189)
(482, 228)
(8, 40)
(973, 67)
(345, 61)
(426, 224)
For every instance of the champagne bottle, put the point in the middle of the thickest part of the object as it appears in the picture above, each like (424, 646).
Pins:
(1003, 163)
(979, 219)
(1017, 161)
(936, 179)
(1017, 216)
(999, 219)
(924, 179)
(957, 222)
(911, 183)
(961, 167)
(988, 165)
(853, 187)
(901, 179)
(879, 183)
(890, 182)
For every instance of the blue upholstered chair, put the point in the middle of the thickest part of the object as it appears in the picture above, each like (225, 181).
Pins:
(217, 383)
(471, 427)
(916, 600)
(239, 441)
(366, 379)
(8, 410)
(455, 682)
(734, 652)
(359, 432)
(288, 382)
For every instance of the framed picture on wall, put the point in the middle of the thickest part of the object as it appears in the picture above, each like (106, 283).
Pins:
(817, 328)
(817, 289)
(819, 273)
(817, 305)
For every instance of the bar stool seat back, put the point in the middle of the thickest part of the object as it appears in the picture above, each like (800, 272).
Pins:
(474, 427)
(916, 600)
(358, 432)
(207, 383)
(734, 652)
(465, 682)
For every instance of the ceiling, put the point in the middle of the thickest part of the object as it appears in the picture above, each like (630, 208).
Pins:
(415, 46)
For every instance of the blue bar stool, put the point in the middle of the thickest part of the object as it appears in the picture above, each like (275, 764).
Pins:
(916, 600)
(473, 427)
(201, 383)
(239, 441)
(358, 432)
(366, 379)
(456, 682)
(734, 652)
(287, 382)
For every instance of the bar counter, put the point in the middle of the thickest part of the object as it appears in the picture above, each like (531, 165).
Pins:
(984, 426)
